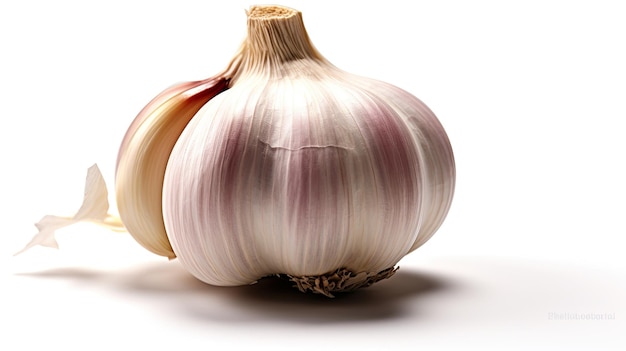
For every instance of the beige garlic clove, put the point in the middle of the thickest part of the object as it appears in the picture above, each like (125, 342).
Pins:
(144, 154)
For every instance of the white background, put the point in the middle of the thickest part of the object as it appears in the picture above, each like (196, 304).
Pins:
(532, 94)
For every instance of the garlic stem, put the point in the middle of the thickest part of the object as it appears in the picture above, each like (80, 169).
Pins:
(276, 35)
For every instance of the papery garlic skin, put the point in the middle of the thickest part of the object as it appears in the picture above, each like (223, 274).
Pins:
(95, 209)
(143, 157)
(439, 178)
(302, 169)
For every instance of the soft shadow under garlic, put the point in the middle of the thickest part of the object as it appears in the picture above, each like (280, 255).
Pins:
(166, 285)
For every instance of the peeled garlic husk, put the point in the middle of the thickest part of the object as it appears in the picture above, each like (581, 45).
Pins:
(95, 209)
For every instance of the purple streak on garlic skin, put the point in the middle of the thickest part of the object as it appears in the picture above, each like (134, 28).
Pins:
(203, 212)
(394, 180)
(440, 174)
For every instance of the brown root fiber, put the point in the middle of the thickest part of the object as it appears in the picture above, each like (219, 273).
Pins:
(341, 280)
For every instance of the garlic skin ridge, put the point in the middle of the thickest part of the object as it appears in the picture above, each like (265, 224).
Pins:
(302, 169)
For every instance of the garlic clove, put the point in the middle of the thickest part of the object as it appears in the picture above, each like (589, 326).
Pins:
(94, 208)
(144, 154)
(440, 175)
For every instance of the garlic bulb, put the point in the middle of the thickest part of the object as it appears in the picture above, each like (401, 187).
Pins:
(284, 164)
(302, 169)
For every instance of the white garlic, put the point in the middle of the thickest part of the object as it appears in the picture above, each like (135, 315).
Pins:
(284, 164)
(302, 169)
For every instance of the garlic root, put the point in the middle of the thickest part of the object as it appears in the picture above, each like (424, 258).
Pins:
(341, 280)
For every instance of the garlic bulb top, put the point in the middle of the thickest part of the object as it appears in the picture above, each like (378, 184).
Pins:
(302, 169)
